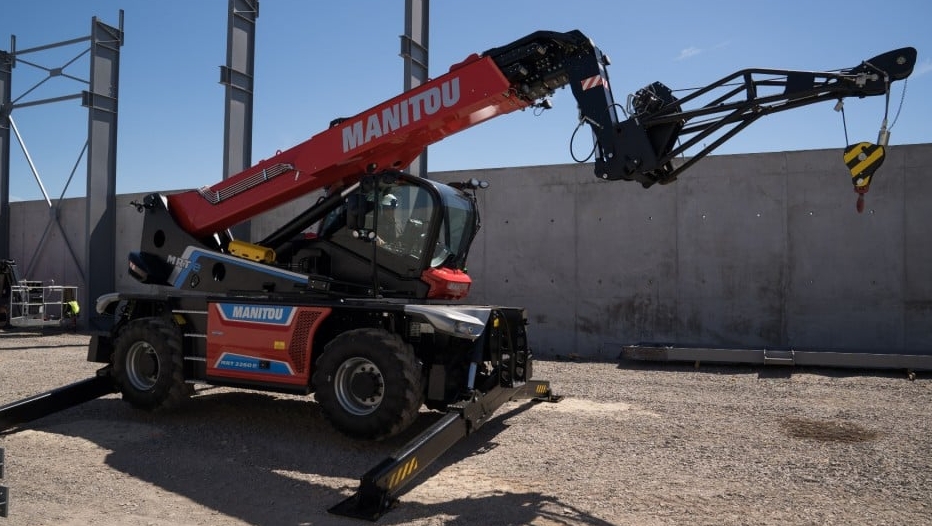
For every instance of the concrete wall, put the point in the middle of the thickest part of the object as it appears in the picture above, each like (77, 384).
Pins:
(758, 250)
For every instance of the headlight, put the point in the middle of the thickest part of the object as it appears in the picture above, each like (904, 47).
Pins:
(467, 329)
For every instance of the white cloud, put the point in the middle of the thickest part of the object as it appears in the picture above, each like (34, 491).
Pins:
(688, 52)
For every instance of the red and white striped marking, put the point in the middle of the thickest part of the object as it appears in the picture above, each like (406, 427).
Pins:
(593, 82)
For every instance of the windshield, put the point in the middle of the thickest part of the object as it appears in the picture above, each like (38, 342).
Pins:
(410, 224)
(459, 226)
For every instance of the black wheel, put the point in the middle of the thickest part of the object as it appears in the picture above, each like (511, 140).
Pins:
(368, 384)
(148, 364)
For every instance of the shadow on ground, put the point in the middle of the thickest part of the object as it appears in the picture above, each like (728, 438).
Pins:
(271, 461)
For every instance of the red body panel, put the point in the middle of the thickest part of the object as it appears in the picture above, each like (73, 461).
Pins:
(388, 136)
(446, 284)
(262, 343)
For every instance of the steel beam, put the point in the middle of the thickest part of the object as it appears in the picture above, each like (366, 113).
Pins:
(817, 358)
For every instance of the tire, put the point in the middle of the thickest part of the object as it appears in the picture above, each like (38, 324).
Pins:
(148, 364)
(368, 384)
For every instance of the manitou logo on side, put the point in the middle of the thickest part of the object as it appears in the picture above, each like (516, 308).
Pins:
(265, 314)
(251, 313)
(401, 114)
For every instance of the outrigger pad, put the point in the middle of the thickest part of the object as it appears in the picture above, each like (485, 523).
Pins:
(356, 507)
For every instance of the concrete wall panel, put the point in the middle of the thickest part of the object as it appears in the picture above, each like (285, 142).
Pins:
(537, 269)
(731, 244)
(762, 250)
(67, 262)
(843, 265)
(626, 263)
(40, 243)
(917, 255)
(539, 229)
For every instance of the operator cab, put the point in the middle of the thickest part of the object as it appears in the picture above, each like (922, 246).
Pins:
(402, 235)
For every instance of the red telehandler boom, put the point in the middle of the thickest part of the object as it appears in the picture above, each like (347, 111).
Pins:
(357, 298)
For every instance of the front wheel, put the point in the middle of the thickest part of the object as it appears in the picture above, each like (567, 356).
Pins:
(148, 364)
(368, 384)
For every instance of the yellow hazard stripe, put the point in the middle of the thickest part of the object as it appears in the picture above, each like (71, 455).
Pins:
(853, 152)
(402, 473)
(862, 158)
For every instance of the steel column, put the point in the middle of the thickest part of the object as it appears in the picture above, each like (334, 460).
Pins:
(237, 75)
(101, 102)
(414, 51)
(6, 106)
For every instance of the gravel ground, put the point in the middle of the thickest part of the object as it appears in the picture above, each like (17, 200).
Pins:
(632, 443)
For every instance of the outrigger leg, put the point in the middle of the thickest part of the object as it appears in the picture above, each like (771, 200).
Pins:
(380, 486)
(101, 384)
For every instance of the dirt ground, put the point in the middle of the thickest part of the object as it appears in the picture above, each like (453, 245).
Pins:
(632, 443)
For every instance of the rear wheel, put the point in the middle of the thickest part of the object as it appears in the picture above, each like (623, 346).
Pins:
(148, 364)
(368, 384)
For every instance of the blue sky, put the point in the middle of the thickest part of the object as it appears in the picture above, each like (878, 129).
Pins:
(319, 60)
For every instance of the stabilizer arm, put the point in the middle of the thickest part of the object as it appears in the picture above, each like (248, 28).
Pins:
(380, 486)
(35, 407)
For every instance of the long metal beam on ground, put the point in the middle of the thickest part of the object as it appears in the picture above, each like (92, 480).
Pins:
(817, 358)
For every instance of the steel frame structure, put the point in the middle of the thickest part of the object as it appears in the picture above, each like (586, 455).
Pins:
(100, 99)
(97, 266)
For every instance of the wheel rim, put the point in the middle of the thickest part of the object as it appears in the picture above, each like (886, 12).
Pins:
(359, 386)
(142, 366)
